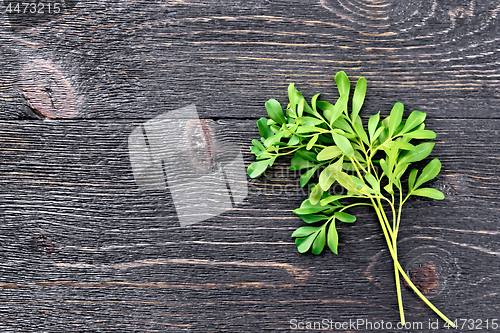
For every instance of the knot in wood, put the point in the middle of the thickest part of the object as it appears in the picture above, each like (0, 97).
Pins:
(425, 277)
(46, 90)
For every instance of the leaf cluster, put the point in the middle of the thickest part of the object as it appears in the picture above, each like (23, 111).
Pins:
(368, 159)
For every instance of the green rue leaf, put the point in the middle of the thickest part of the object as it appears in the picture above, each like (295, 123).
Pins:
(344, 217)
(400, 145)
(378, 133)
(327, 176)
(421, 134)
(316, 194)
(309, 129)
(422, 151)
(256, 150)
(395, 117)
(311, 120)
(304, 244)
(361, 132)
(429, 193)
(385, 168)
(292, 95)
(347, 182)
(264, 129)
(411, 179)
(329, 153)
(307, 204)
(325, 179)
(308, 155)
(273, 139)
(312, 142)
(319, 242)
(358, 98)
(414, 119)
(298, 162)
(304, 231)
(275, 111)
(430, 171)
(294, 140)
(343, 84)
(372, 126)
(308, 208)
(405, 145)
(291, 115)
(304, 178)
(400, 169)
(258, 145)
(389, 189)
(264, 155)
(373, 182)
(333, 198)
(333, 237)
(314, 101)
(343, 125)
(338, 108)
(257, 168)
(310, 218)
(343, 144)
(300, 107)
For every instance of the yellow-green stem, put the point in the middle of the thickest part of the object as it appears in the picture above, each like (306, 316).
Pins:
(403, 273)
(394, 247)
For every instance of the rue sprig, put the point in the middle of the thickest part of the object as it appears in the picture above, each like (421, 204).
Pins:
(369, 162)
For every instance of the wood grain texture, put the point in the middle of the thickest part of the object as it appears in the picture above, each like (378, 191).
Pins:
(134, 59)
(84, 249)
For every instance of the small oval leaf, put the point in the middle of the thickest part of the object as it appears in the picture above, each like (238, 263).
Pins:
(264, 129)
(372, 126)
(316, 194)
(319, 242)
(333, 238)
(358, 98)
(303, 244)
(429, 193)
(395, 117)
(411, 179)
(343, 83)
(309, 218)
(311, 142)
(414, 119)
(421, 151)
(275, 111)
(304, 231)
(329, 153)
(421, 134)
(344, 217)
(298, 162)
(257, 168)
(430, 171)
(344, 144)
(306, 177)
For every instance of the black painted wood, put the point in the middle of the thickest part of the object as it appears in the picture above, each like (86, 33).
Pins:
(84, 249)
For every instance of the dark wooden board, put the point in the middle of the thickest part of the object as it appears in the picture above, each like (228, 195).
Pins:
(79, 235)
(84, 249)
(143, 58)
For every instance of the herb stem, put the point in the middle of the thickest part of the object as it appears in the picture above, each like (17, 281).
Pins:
(354, 205)
(394, 256)
(407, 279)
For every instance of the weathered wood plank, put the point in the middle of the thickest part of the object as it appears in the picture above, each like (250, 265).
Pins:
(83, 247)
(228, 57)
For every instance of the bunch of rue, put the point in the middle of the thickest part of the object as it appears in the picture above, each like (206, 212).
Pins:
(369, 162)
